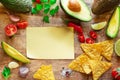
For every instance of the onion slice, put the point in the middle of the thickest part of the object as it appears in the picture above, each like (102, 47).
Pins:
(23, 71)
(13, 17)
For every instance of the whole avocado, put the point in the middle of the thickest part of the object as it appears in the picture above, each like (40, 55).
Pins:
(22, 6)
(102, 6)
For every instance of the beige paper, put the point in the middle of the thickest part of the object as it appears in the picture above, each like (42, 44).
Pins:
(50, 43)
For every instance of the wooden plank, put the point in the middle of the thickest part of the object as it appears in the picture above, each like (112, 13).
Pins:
(19, 42)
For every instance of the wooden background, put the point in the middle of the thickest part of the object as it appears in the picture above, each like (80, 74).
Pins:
(19, 42)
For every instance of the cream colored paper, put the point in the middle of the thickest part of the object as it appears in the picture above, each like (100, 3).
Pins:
(50, 43)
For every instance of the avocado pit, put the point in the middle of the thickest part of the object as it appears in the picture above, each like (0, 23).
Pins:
(74, 5)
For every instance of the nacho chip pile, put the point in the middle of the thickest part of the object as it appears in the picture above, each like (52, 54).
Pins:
(91, 60)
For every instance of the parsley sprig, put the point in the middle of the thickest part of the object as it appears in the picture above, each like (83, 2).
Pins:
(48, 8)
(6, 73)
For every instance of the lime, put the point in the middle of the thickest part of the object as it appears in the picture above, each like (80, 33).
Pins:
(117, 47)
(98, 26)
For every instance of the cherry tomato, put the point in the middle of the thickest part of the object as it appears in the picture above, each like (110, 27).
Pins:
(89, 40)
(76, 27)
(116, 73)
(38, 1)
(22, 24)
(10, 29)
(81, 38)
(93, 34)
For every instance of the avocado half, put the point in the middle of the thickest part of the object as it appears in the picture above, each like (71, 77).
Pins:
(83, 14)
(114, 24)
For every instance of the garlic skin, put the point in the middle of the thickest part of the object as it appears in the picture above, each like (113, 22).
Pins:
(13, 65)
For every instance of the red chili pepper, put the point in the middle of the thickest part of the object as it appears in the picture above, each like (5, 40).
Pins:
(89, 40)
(81, 38)
(116, 73)
(10, 30)
(76, 27)
(93, 34)
(38, 1)
(22, 24)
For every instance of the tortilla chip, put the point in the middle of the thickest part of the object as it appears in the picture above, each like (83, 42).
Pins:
(77, 64)
(44, 73)
(98, 68)
(86, 67)
(92, 50)
(107, 48)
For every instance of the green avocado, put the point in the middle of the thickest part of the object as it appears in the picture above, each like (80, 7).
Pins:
(81, 12)
(114, 24)
(18, 5)
(12, 52)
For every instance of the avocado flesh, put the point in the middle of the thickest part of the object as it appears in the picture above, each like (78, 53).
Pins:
(18, 5)
(114, 23)
(14, 53)
(83, 15)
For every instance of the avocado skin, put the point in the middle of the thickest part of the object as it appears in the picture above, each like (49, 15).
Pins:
(22, 6)
(116, 33)
(70, 15)
(102, 6)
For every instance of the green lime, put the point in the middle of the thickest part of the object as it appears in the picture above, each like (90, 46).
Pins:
(98, 26)
(117, 47)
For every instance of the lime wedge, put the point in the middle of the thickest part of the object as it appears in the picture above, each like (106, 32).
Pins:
(14, 53)
(117, 47)
(98, 26)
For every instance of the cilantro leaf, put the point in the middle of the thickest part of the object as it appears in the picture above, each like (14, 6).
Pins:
(46, 6)
(39, 7)
(33, 0)
(44, 1)
(46, 10)
(52, 12)
(52, 2)
(34, 11)
(6, 72)
(56, 9)
(46, 19)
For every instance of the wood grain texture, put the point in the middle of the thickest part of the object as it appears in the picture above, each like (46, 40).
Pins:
(19, 42)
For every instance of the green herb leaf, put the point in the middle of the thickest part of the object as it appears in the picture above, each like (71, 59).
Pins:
(52, 12)
(46, 19)
(39, 7)
(56, 9)
(46, 6)
(52, 2)
(44, 1)
(34, 11)
(33, 0)
(6, 72)
(46, 10)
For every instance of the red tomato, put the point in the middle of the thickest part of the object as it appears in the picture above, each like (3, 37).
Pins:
(76, 27)
(81, 38)
(22, 24)
(10, 29)
(89, 40)
(38, 1)
(116, 73)
(93, 34)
